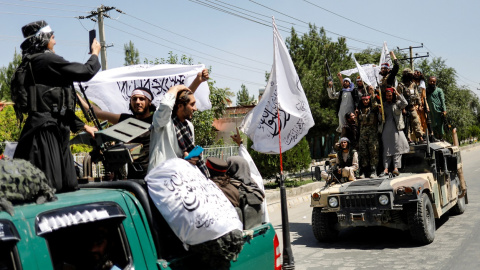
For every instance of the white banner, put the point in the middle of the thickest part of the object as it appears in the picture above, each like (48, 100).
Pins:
(111, 89)
(369, 71)
(363, 74)
(284, 94)
(194, 207)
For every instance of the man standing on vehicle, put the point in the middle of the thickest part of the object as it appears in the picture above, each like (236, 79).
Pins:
(394, 142)
(368, 144)
(45, 137)
(438, 110)
(172, 133)
(347, 98)
(408, 88)
(142, 109)
(388, 73)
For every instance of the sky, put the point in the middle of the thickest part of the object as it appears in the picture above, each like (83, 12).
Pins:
(235, 38)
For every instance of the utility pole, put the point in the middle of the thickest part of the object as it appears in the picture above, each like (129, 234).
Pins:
(411, 54)
(100, 14)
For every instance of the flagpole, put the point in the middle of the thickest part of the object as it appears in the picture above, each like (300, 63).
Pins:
(288, 261)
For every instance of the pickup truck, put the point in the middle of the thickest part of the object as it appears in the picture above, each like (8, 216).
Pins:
(119, 217)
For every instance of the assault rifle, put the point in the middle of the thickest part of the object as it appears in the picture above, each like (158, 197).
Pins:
(381, 100)
(89, 113)
(331, 92)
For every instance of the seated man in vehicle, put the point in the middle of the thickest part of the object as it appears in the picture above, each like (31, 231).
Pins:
(218, 174)
(346, 160)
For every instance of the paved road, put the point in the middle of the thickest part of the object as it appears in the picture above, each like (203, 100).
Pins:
(456, 245)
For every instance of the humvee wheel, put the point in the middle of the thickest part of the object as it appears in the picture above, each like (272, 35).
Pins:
(460, 207)
(421, 221)
(323, 225)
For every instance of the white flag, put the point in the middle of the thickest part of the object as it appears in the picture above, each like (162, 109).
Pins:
(370, 71)
(385, 55)
(285, 93)
(363, 74)
(111, 89)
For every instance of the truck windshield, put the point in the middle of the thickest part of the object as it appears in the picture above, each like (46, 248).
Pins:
(94, 245)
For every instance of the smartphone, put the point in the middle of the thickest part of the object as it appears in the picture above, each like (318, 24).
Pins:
(195, 152)
(92, 34)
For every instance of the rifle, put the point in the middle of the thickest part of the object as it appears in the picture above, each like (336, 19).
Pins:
(90, 113)
(429, 122)
(331, 92)
(381, 101)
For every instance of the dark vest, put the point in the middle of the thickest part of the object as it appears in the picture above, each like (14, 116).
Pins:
(348, 163)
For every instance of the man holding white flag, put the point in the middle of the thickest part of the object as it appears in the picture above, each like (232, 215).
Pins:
(283, 110)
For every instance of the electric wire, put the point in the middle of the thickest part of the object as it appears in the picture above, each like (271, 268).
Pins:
(328, 31)
(58, 9)
(33, 14)
(55, 3)
(198, 56)
(366, 26)
(136, 28)
(193, 39)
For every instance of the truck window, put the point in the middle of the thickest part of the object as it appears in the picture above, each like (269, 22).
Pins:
(97, 245)
(9, 237)
(87, 236)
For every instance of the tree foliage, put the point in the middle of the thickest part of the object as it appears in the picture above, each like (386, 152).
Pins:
(132, 56)
(6, 74)
(243, 97)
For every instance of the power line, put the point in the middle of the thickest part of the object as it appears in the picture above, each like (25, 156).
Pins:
(263, 15)
(177, 43)
(328, 31)
(195, 40)
(32, 14)
(366, 26)
(55, 3)
(264, 23)
(20, 5)
(178, 50)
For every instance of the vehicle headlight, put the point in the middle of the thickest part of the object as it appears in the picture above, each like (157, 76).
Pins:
(333, 202)
(383, 199)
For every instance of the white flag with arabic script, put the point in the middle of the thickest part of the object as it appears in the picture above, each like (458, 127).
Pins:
(111, 89)
(285, 93)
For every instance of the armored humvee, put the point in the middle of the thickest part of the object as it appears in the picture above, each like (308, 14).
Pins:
(430, 185)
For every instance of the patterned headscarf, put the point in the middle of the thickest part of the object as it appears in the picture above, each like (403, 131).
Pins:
(37, 35)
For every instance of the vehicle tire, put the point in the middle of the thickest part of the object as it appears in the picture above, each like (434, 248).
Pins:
(460, 207)
(421, 221)
(323, 225)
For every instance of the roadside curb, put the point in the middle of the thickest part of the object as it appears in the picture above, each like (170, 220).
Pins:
(294, 196)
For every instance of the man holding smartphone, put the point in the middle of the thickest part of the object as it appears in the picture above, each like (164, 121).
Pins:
(45, 137)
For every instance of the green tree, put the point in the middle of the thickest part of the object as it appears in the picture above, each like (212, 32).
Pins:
(6, 74)
(243, 97)
(132, 56)
(462, 104)
(10, 131)
(294, 160)
(309, 53)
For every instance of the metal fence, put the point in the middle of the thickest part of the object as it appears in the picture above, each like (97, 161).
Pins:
(220, 152)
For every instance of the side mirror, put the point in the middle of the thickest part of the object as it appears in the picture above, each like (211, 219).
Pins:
(318, 173)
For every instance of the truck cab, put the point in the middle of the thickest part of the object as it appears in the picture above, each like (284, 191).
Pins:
(110, 223)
